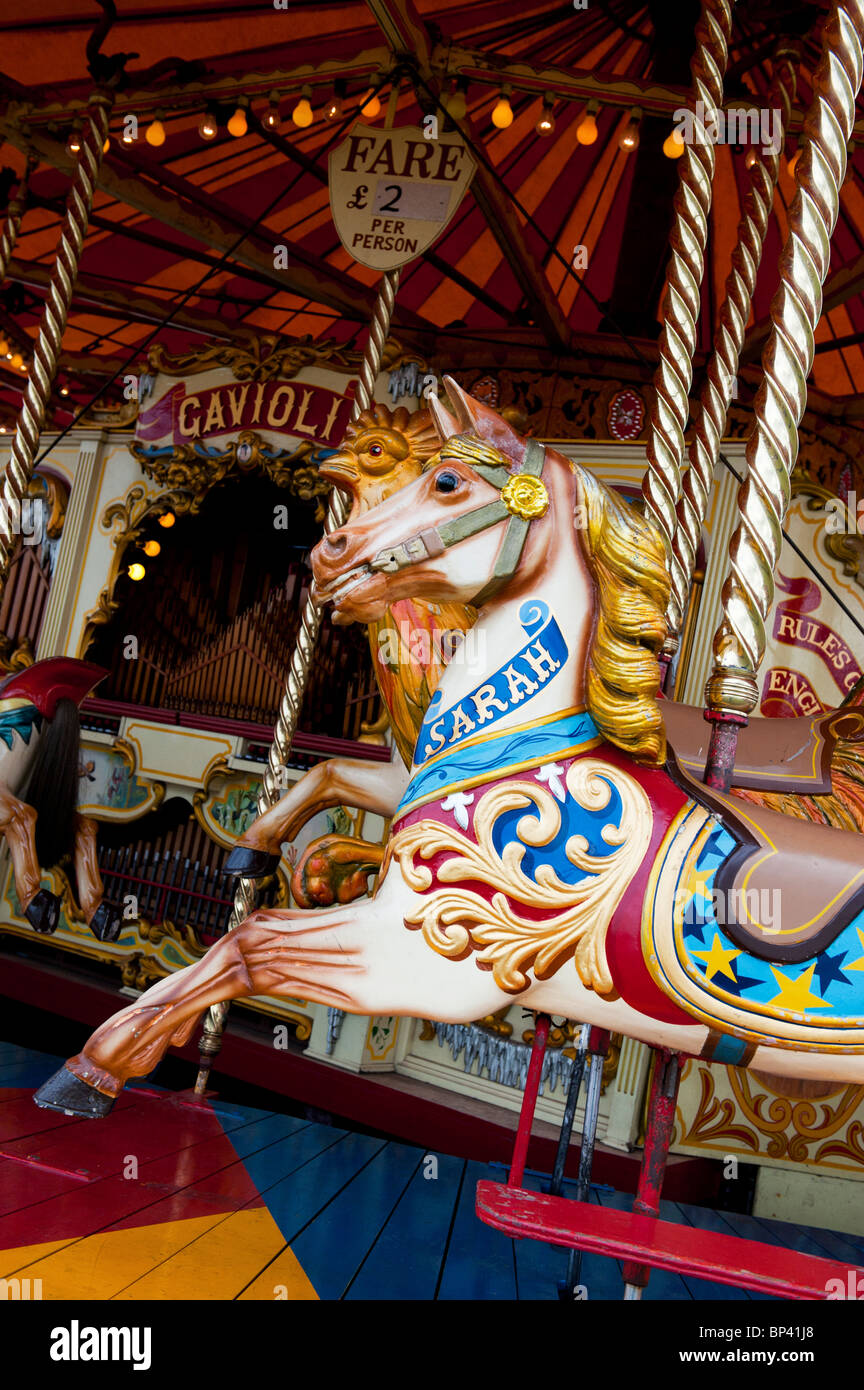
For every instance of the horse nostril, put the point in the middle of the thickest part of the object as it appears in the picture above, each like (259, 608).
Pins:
(336, 543)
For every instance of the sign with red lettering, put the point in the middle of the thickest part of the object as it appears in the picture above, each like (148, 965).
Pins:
(392, 192)
(216, 405)
(813, 652)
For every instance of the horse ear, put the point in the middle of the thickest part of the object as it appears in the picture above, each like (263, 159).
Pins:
(446, 425)
(485, 422)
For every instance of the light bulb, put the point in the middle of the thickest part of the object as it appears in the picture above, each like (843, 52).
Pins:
(751, 159)
(793, 162)
(167, 520)
(152, 548)
(238, 125)
(456, 104)
(586, 130)
(136, 571)
(333, 109)
(64, 390)
(370, 107)
(127, 138)
(302, 115)
(17, 360)
(208, 127)
(4, 347)
(673, 145)
(502, 114)
(155, 133)
(629, 137)
(106, 147)
(270, 119)
(73, 144)
(546, 123)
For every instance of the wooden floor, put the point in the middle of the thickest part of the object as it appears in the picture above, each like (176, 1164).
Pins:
(169, 1201)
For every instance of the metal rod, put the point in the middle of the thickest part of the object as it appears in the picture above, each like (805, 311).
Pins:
(599, 1045)
(573, 1088)
(529, 1101)
(46, 353)
(661, 486)
(722, 369)
(246, 894)
(661, 1118)
(14, 214)
(772, 447)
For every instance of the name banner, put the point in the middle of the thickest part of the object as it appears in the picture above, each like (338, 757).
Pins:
(507, 689)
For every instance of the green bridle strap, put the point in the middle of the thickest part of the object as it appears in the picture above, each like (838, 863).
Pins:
(434, 541)
(516, 534)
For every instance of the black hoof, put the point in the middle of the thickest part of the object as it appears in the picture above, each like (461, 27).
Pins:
(43, 913)
(106, 923)
(243, 862)
(72, 1096)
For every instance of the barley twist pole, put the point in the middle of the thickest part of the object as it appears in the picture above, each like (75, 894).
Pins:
(734, 313)
(662, 483)
(14, 214)
(772, 447)
(246, 895)
(31, 417)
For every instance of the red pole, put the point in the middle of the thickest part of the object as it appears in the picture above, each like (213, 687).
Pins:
(661, 1117)
(529, 1101)
(722, 748)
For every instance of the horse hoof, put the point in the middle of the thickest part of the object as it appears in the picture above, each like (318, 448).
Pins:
(43, 912)
(244, 862)
(106, 922)
(71, 1096)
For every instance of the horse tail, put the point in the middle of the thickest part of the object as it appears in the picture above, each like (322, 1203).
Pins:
(52, 787)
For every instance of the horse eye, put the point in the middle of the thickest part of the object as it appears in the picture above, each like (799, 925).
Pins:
(447, 482)
(375, 450)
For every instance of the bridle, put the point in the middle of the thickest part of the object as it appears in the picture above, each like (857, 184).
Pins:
(518, 505)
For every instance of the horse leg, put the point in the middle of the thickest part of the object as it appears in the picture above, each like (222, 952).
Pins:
(374, 787)
(104, 919)
(18, 824)
(359, 958)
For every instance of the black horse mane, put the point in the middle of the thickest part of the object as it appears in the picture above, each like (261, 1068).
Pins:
(52, 787)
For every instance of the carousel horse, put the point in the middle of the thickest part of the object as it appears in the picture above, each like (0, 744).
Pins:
(382, 452)
(39, 771)
(549, 848)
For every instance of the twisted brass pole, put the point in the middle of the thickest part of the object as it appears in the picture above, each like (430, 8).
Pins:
(772, 447)
(46, 354)
(722, 369)
(14, 214)
(246, 895)
(662, 483)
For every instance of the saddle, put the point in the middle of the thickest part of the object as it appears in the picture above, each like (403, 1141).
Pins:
(781, 755)
(790, 886)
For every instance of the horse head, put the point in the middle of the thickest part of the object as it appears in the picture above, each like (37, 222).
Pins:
(491, 513)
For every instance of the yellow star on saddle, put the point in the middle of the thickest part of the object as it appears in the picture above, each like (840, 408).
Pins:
(859, 963)
(699, 881)
(795, 994)
(718, 960)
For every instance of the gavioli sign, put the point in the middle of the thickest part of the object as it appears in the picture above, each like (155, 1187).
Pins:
(303, 409)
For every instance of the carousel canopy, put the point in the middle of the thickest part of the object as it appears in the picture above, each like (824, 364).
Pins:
(219, 139)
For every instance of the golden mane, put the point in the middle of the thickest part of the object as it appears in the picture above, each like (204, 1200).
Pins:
(627, 560)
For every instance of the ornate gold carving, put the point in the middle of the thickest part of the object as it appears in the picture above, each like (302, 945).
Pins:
(576, 917)
(525, 496)
(265, 358)
(766, 1121)
(195, 472)
(14, 658)
(844, 547)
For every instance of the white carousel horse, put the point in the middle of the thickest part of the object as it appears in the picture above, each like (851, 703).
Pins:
(545, 849)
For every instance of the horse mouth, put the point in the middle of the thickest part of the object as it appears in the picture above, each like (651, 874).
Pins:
(339, 588)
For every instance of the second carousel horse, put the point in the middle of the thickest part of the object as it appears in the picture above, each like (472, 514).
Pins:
(40, 739)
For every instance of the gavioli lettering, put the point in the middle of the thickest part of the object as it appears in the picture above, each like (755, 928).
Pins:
(293, 407)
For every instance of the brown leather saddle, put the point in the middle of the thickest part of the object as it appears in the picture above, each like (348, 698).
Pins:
(782, 755)
(790, 886)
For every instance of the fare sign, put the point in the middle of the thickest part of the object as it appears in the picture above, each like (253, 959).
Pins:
(392, 192)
